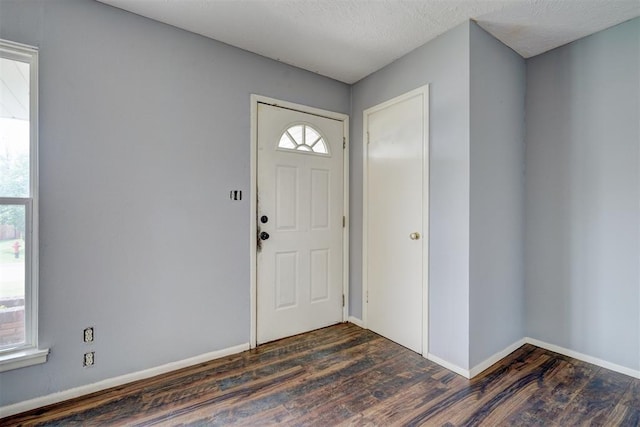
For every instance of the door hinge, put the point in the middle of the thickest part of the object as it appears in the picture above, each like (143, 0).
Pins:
(344, 221)
(343, 300)
(367, 297)
(344, 142)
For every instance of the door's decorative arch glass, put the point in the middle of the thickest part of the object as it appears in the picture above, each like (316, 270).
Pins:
(302, 137)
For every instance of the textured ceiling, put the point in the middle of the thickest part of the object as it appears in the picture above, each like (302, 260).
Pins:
(349, 39)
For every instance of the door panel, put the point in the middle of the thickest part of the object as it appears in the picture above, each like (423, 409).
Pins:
(300, 190)
(320, 273)
(320, 200)
(286, 198)
(395, 161)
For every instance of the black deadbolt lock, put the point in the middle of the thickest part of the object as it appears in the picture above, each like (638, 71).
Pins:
(264, 219)
(264, 235)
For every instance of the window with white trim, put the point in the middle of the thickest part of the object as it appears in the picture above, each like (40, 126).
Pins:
(18, 206)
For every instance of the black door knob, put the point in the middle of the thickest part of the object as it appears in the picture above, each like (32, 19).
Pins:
(264, 219)
(264, 235)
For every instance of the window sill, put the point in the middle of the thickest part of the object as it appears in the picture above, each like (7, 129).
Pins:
(23, 358)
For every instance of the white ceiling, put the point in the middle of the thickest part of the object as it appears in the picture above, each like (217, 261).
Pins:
(349, 39)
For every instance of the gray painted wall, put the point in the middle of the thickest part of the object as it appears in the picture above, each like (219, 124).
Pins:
(444, 64)
(144, 129)
(496, 282)
(582, 195)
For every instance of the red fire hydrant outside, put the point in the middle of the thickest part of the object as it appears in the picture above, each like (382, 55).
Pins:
(16, 249)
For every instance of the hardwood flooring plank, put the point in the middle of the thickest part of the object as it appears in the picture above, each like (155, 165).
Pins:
(597, 399)
(257, 402)
(623, 416)
(344, 375)
(467, 400)
(332, 353)
(555, 394)
(395, 410)
(632, 397)
(305, 386)
(354, 394)
(492, 411)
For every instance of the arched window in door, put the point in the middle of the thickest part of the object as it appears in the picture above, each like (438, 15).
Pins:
(303, 137)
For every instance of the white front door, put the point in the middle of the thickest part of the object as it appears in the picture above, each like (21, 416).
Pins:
(300, 222)
(395, 234)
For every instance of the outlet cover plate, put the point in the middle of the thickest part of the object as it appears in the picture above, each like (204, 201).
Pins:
(89, 359)
(88, 334)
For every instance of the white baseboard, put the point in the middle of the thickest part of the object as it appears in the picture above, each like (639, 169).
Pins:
(480, 367)
(448, 365)
(356, 321)
(583, 357)
(61, 396)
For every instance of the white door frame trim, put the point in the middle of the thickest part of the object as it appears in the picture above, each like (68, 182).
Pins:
(424, 91)
(253, 227)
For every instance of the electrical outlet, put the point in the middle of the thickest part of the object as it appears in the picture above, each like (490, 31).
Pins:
(88, 334)
(89, 359)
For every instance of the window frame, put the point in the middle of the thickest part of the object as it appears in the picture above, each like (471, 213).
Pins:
(28, 353)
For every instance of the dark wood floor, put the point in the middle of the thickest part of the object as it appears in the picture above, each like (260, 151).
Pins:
(344, 375)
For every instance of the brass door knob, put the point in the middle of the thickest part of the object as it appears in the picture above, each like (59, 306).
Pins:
(414, 236)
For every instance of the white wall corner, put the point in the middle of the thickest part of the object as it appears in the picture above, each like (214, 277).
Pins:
(72, 393)
(490, 361)
(448, 365)
(356, 321)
